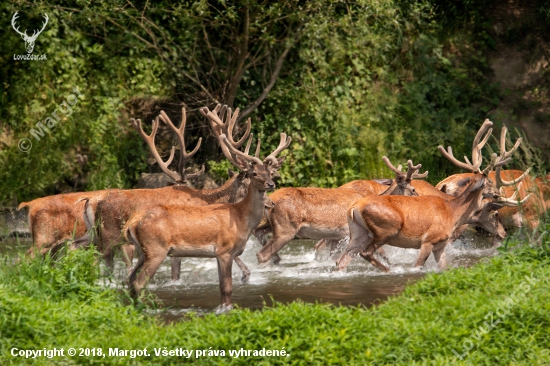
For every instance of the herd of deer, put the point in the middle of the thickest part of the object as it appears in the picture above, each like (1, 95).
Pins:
(177, 221)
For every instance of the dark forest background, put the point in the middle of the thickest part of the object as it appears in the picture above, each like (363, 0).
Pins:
(350, 81)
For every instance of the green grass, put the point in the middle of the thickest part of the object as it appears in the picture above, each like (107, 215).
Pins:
(46, 306)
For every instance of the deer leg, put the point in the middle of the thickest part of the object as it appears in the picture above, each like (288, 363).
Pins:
(55, 248)
(225, 263)
(440, 257)
(83, 242)
(109, 258)
(277, 241)
(425, 251)
(382, 253)
(368, 255)
(128, 255)
(175, 268)
(148, 263)
(147, 270)
(359, 238)
(335, 248)
(320, 244)
(244, 269)
(35, 249)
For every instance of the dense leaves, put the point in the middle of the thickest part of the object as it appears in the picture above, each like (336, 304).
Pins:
(350, 81)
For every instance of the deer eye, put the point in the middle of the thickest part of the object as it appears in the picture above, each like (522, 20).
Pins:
(254, 174)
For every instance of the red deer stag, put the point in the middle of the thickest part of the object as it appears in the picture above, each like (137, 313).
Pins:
(528, 213)
(215, 231)
(485, 218)
(423, 222)
(114, 211)
(317, 213)
(513, 214)
(427, 223)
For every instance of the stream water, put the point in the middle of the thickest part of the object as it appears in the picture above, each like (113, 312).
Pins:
(301, 274)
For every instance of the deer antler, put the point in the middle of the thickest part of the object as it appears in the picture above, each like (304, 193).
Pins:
(184, 156)
(221, 128)
(235, 152)
(477, 145)
(283, 144)
(512, 201)
(150, 140)
(497, 162)
(412, 171)
(505, 156)
(181, 176)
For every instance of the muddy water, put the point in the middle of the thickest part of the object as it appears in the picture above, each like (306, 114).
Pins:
(302, 274)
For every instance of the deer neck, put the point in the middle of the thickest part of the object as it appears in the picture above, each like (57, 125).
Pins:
(252, 206)
(225, 193)
(465, 205)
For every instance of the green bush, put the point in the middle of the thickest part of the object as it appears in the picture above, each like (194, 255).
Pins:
(429, 323)
(364, 79)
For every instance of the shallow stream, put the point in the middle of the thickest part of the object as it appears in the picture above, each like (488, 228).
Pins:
(302, 274)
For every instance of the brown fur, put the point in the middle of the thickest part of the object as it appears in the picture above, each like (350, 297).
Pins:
(55, 219)
(424, 222)
(313, 213)
(215, 231)
(115, 209)
(511, 217)
(318, 213)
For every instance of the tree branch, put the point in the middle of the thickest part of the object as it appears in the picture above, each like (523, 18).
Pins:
(251, 107)
(243, 55)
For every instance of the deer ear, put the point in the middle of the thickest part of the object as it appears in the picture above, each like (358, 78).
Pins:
(231, 173)
(443, 189)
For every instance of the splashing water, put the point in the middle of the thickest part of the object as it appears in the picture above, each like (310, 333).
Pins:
(302, 274)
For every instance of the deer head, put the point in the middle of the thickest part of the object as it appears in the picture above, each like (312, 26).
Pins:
(29, 40)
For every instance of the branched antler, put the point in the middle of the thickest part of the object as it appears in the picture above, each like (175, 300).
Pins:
(479, 141)
(181, 176)
(412, 171)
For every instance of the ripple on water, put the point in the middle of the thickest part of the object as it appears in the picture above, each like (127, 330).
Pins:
(302, 274)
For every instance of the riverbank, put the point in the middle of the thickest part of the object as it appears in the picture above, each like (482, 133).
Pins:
(493, 313)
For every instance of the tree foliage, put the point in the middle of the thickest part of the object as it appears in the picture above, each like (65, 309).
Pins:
(350, 81)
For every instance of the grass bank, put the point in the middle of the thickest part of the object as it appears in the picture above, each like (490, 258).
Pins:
(494, 313)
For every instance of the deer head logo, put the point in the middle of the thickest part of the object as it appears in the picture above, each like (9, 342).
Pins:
(29, 40)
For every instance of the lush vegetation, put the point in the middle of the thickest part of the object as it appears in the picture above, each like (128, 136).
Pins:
(357, 80)
(45, 306)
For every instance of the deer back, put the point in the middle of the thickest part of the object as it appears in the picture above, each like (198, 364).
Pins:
(323, 207)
